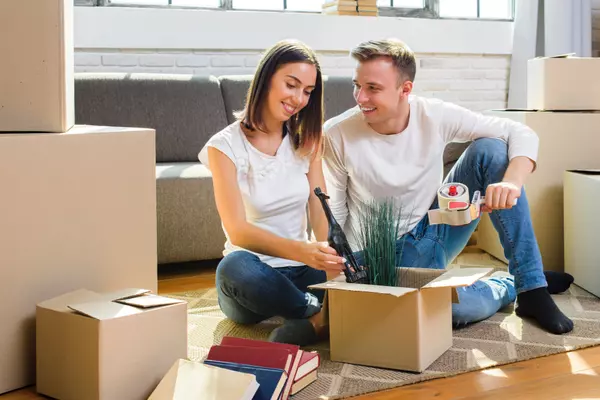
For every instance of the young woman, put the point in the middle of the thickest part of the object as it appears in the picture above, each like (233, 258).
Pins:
(265, 167)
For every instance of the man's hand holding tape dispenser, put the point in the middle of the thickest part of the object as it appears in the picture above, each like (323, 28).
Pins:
(391, 145)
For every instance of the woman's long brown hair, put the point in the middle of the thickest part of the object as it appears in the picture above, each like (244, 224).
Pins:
(305, 127)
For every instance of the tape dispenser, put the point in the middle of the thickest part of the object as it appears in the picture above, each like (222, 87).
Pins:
(454, 205)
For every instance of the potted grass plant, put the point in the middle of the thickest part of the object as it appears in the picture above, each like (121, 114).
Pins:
(380, 222)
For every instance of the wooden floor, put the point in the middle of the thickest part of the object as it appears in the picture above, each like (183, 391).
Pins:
(567, 376)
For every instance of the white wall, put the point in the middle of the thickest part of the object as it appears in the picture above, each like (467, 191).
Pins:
(466, 62)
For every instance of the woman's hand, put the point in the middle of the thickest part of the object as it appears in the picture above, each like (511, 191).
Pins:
(320, 255)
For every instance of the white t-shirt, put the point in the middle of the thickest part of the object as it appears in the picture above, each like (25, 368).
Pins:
(275, 189)
(361, 164)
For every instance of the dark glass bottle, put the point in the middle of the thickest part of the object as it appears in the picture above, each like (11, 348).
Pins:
(337, 239)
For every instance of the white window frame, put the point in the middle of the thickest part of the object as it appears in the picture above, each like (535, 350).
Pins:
(430, 10)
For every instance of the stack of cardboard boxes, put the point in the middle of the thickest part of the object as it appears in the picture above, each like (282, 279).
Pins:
(563, 108)
(77, 211)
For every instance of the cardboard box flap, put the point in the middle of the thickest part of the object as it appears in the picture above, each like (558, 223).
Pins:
(566, 55)
(149, 300)
(457, 277)
(593, 172)
(124, 294)
(61, 303)
(104, 310)
(340, 283)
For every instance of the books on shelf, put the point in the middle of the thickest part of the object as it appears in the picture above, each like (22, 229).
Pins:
(350, 7)
(340, 7)
(368, 8)
(281, 369)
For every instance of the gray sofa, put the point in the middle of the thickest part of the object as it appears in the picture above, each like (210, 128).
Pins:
(185, 111)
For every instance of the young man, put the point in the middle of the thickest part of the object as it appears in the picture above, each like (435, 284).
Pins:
(391, 145)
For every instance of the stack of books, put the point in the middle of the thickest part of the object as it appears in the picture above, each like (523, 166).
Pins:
(367, 8)
(281, 370)
(340, 7)
(350, 7)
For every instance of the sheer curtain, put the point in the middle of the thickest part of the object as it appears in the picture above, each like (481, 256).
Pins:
(546, 28)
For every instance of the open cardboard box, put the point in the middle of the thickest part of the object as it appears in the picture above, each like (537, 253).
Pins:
(581, 222)
(405, 327)
(107, 346)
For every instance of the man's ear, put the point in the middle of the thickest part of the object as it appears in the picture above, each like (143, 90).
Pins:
(407, 87)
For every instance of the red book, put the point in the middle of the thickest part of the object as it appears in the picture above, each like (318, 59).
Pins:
(293, 349)
(309, 362)
(257, 356)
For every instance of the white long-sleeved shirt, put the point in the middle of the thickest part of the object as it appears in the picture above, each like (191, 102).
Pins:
(361, 165)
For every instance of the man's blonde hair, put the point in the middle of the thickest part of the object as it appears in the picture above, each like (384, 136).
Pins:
(401, 55)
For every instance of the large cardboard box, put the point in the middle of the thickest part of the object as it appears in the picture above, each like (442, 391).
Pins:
(77, 209)
(568, 140)
(405, 327)
(36, 75)
(563, 83)
(107, 346)
(582, 221)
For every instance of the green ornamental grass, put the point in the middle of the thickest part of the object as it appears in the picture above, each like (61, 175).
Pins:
(380, 222)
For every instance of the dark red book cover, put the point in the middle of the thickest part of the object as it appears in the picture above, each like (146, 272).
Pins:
(294, 349)
(309, 361)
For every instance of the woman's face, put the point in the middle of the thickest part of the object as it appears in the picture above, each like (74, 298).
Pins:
(290, 90)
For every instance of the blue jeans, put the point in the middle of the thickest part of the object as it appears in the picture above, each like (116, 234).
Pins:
(435, 246)
(250, 291)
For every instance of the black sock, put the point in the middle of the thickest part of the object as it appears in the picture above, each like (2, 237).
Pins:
(295, 331)
(538, 304)
(558, 282)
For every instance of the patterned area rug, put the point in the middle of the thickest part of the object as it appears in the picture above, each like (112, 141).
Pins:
(502, 339)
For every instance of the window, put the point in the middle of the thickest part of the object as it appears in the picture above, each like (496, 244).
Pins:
(468, 9)
(485, 9)
(264, 5)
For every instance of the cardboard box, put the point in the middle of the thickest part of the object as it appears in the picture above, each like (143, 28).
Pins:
(568, 140)
(107, 346)
(488, 239)
(404, 328)
(582, 221)
(563, 83)
(77, 210)
(37, 66)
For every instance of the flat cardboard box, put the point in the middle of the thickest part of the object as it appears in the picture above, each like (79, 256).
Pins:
(568, 140)
(37, 82)
(404, 328)
(563, 83)
(105, 347)
(78, 209)
(582, 221)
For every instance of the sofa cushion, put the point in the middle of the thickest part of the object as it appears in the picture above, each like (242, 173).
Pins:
(234, 89)
(188, 223)
(184, 110)
(338, 96)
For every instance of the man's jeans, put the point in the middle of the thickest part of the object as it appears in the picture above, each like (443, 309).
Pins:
(250, 291)
(435, 246)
